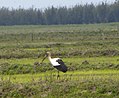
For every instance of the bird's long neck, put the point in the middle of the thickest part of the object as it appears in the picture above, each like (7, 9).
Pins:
(49, 57)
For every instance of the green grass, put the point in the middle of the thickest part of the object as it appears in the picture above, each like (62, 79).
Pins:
(74, 75)
(26, 65)
(91, 52)
(78, 84)
(75, 60)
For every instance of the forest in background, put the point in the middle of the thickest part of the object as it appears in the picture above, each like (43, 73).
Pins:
(78, 14)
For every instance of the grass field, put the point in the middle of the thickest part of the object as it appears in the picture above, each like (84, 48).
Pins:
(71, 75)
(78, 84)
(90, 51)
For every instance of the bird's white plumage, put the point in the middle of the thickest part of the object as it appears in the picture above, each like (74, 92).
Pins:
(54, 61)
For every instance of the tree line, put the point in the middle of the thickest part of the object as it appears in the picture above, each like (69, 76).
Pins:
(78, 14)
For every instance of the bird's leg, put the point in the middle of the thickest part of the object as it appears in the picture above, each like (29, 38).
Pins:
(58, 75)
(34, 68)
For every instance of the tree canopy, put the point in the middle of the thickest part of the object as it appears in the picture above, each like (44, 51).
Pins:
(78, 14)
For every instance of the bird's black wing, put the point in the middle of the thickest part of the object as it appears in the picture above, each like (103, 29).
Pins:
(60, 61)
(62, 67)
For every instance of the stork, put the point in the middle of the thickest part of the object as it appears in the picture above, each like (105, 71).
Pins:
(56, 62)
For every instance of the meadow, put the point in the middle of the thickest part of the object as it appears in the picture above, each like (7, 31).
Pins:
(91, 52)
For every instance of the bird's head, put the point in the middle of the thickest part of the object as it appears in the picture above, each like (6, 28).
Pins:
(48, 54)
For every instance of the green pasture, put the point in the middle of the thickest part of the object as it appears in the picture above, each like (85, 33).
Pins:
(76, 84)
(85, 46)
(74, 60)
(71, 75)
(79, 60)
(90, 51)
(26, 65)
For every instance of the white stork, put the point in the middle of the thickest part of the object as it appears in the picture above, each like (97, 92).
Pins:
(56, 62)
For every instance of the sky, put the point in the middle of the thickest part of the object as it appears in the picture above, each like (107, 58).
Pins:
(46, 3)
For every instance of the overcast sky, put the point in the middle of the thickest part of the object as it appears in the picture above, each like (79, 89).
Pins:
(46, 3)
